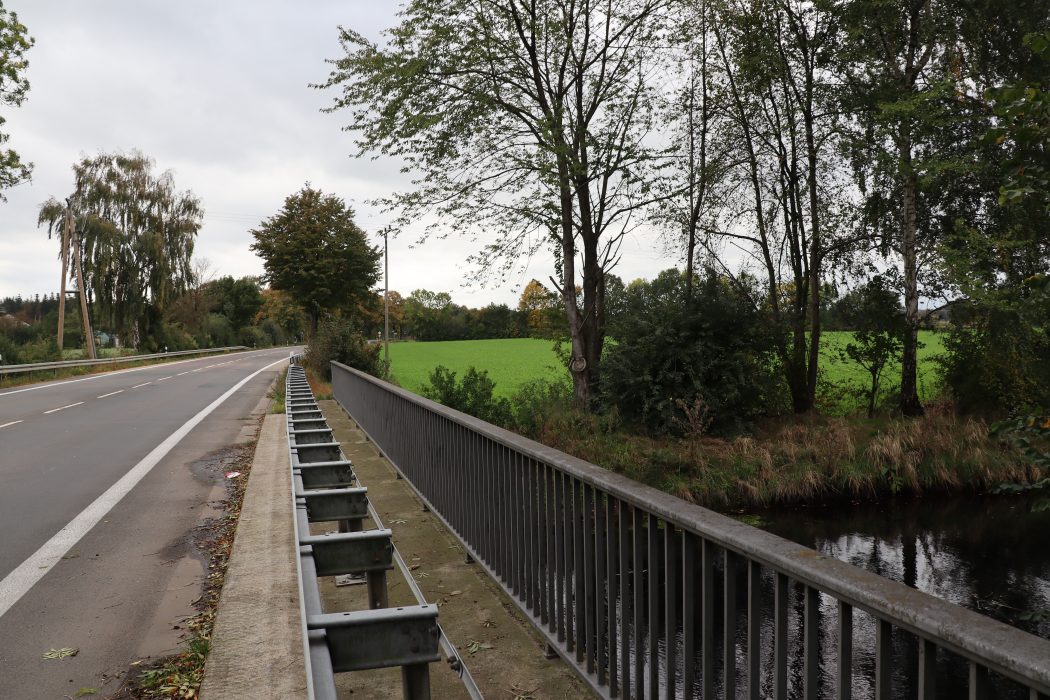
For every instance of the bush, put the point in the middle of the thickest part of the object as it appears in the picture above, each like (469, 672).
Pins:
(689, 367)
(253, 337)
(536, 401)
(340, 339)
(472, 395)
(997, 360)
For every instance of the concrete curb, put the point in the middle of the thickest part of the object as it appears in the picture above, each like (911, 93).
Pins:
(256, 646)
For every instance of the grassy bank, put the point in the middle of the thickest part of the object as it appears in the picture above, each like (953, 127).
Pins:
(802, 460)
(513, 362)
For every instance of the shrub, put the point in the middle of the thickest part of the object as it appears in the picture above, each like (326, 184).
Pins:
(340, 339)
(671, 356)
(997, 360)
(536, 401)
(473, 394)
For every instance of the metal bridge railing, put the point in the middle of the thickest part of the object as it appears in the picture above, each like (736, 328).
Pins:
(649, 596)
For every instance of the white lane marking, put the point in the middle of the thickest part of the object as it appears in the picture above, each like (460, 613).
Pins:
(103, 375)
(14, 422)
(142, 384)
(26, 575)
(62, 408)
(197, 370)
(112, 393)
(182, 373)
(164, 378)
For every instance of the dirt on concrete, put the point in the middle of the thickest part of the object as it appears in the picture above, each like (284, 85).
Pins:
(503, 652)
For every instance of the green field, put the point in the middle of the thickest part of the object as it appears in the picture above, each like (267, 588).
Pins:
(512, 362)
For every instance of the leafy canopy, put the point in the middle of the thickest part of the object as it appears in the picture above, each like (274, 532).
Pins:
(313, 250)
(14, 43)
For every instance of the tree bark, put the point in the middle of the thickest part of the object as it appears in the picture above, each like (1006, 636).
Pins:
(910, 404)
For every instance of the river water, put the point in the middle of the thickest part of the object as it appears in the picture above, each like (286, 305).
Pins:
(991, 555)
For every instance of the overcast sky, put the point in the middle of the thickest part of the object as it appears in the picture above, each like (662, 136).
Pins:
(217, 92)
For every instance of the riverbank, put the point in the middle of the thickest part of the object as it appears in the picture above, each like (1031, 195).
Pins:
(803, 460)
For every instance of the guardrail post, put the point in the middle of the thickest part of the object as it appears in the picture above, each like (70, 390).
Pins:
(415, 681)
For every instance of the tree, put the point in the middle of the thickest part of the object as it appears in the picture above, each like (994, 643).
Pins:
(526, 120)
(134, 233)
(281, 308)
(237, 299)
(14, 43)
(313, 250)
(540, 309)
(873, 312)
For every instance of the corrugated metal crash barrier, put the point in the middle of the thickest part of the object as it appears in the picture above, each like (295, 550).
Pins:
(325, 490)
(648, 596)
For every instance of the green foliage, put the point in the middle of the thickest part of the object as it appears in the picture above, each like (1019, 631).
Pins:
(136, 234)
(1030, 434)
(474, 394)
(1023, 110)
(873, 311)
(677, 367)
(537, 401)
(14, 43)
(998, 354)
(313, 250)
(340, 339)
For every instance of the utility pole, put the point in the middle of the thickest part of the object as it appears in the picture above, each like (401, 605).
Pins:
(89, 337)
(65, 271)
(386, 300)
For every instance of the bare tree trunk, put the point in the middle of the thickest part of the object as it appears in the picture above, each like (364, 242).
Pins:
(78, 266)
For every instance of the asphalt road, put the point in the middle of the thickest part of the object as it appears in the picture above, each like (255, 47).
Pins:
(102, 482)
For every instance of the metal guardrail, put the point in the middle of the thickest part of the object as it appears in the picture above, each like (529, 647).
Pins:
(62, 364)
(649, 596)
(324, 490)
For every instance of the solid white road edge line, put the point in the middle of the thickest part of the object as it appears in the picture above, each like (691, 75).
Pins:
(62, 408)
(26, 575)
(103, 375)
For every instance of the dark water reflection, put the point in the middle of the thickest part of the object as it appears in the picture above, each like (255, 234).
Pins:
(990, 555)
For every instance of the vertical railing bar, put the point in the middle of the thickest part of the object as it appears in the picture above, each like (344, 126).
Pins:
(845, 660)
(729, 612)
(883, 659)
(519, 537)
(560, 534)
(671, 599)
(811, 643)
(588, 568)
(688, 614)
(639, 603)
(598, 597)
(707, 618)
(612, 545)
(569, 537)
(927, 669)
(754, 629)
(530, 535)
(625, 598)
(978, 681)
(780, 640)
(654, 588)
(540, 556)
(579, 573)
(553, 611)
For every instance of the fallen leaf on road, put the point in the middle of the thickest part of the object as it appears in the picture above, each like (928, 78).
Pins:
(61, 653)
(232, 475)
(85, 691)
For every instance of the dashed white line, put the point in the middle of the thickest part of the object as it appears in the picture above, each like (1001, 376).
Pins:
(163, 378)
(14, 422)
(197, 370)
(112, 393)
(62, 408)
(182, 373)
(142, 384)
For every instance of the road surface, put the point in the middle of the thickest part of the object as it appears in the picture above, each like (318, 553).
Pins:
(102, 482)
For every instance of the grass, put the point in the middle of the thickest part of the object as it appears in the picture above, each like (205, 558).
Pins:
(512, 362)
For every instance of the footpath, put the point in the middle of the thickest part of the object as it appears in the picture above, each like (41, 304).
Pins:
(257, 643)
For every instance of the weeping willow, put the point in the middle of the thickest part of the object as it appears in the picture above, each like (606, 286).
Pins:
(136, 236)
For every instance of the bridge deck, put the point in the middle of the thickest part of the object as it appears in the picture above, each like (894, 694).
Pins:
(507, 660)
